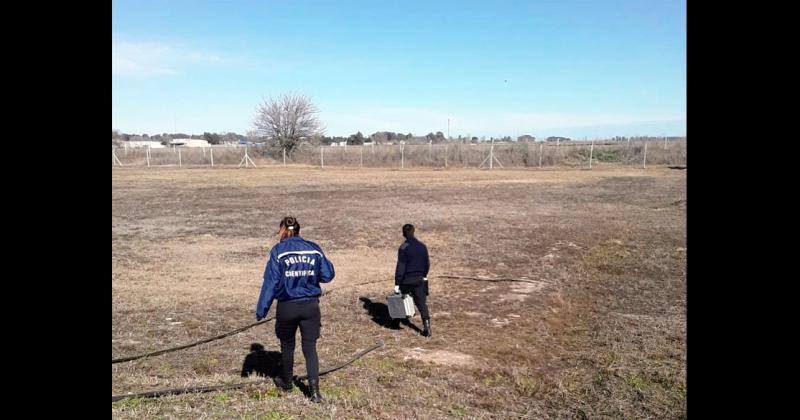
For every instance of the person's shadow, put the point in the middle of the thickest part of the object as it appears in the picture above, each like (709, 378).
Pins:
(268, 364)
(380, 315)
(261, 362)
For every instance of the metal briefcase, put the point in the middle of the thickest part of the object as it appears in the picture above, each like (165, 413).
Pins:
(400, 306)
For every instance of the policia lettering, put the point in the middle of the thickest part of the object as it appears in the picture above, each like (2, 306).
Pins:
(299, 259)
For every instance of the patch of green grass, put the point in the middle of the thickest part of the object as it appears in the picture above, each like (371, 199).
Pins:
(204, 366)
(609, 257)
(271, 415)
(259, 395)
(494, 379)
(223, 396)
(526, 386)
(274, 393)
(129, 403)
(275, 415)
(457, 411)
(165, 368)
(638, 382)
(614, 155)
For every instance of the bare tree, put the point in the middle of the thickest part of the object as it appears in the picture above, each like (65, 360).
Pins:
(252, 135)
(288, 119)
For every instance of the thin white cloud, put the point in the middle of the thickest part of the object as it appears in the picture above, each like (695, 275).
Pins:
(146, 58)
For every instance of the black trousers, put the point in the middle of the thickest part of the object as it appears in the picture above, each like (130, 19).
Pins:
(420, 294)
(289, 316)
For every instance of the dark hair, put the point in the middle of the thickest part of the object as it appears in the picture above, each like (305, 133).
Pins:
(408, 230)
(291, 224)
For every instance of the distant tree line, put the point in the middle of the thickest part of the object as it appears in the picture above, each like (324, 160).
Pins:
(647, 138)
(165, 138)
(378, 137)
(557, 139)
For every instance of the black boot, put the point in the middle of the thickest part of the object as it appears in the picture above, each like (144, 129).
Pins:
(283, 384)
(426, 324)
(315, 395)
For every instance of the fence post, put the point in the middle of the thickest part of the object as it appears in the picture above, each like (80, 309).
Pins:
(284, 157)
(644, 161)
(491, 155)
(591, 152)
(445, 155)
(541, 148)
(212, 157)
(179, 158)
(148, 155)
(628, 151)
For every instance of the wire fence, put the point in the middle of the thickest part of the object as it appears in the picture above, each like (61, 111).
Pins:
(576, 154)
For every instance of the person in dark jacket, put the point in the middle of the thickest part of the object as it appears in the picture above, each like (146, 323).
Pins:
(292, 276)
(411, 274)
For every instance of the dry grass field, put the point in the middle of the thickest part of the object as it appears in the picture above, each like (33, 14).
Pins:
(600, 332)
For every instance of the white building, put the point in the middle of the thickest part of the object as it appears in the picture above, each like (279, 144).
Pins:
(135, 144)
(189, 143)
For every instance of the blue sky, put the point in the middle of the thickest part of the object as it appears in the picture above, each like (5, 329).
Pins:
(572, 68)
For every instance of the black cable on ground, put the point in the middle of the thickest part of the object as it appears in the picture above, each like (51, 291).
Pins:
(345, 364)
(186, 346)
(246, 327)
(187, 390)
(221, 336)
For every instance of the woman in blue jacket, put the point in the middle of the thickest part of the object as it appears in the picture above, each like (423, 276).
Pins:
(294, 271)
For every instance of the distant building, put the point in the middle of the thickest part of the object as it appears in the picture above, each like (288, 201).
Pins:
(189, 143)
(559, 139)
(135, 144)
